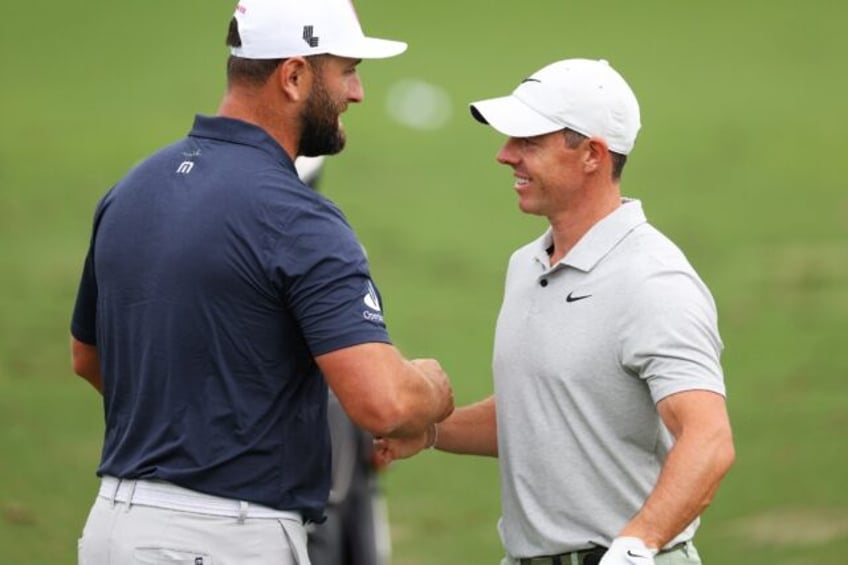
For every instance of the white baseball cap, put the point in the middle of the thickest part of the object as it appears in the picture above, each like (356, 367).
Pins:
(584, 95)
(277, 29)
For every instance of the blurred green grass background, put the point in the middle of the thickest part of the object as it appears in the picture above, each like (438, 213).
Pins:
(739, 162)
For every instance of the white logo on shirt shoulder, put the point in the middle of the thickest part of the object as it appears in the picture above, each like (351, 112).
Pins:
(371, 299)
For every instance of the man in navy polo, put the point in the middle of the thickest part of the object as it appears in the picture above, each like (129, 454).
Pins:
(219, 298)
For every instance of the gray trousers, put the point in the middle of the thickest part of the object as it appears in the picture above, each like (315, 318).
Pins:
(130, 532)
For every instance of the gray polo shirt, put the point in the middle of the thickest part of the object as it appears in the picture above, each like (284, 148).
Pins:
(583, 352)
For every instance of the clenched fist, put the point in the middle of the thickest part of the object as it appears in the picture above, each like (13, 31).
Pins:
(433, 371)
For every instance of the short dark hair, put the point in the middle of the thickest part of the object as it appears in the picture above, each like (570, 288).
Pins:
(255, 71)
(251, 71)
(573, 139)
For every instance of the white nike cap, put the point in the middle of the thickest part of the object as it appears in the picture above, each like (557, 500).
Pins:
(277, 29)
(583, 95)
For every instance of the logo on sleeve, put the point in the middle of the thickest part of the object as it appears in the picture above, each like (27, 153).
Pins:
(372, 301)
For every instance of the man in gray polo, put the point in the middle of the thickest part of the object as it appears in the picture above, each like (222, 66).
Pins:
(609, 415)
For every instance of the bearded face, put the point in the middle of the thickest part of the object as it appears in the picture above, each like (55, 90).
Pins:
(322, 131)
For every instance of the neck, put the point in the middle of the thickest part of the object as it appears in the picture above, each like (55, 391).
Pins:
(254, 107)
(573, 222)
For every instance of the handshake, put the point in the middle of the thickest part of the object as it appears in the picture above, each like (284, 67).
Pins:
(422, 432)
(470, 430)
(408, 405)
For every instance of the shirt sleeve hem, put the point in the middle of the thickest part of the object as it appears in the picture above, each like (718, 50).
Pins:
(342, 342)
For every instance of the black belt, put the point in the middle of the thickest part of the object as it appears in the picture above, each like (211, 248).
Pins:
(584, 557)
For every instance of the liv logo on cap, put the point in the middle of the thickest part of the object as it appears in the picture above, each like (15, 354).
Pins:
(308, 37)
(278, 29)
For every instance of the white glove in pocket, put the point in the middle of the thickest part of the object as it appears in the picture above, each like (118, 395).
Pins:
(628, 551)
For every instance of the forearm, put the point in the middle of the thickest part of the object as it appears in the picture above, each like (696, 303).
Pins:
(686, 486)
(384, 393)
(470, 430)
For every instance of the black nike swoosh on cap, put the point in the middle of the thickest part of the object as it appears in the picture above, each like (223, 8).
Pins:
(530, 79)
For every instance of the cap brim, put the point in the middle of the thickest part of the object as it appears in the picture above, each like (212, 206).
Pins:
(512, 117)
(369, 48)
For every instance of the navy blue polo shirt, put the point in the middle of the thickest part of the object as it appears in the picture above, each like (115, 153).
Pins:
(213, 279)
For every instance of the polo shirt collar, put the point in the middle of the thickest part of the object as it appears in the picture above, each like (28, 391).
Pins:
(243, 133)
(599, 240)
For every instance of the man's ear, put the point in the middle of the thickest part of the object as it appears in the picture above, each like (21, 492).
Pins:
(295, 76)
(596, 152)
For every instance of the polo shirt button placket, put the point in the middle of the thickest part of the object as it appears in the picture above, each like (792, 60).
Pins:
(538, 299)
